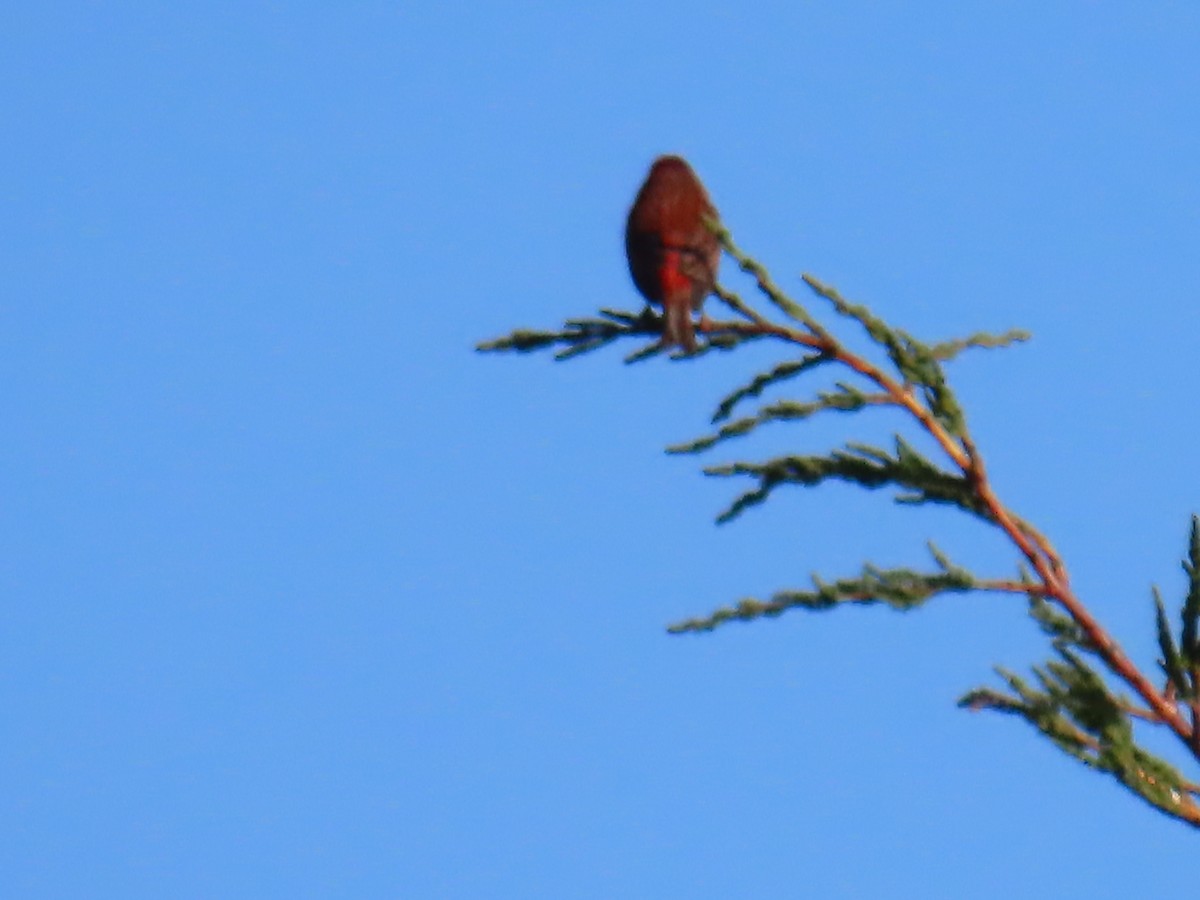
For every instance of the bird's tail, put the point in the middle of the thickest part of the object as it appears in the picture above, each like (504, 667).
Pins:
(678, 330)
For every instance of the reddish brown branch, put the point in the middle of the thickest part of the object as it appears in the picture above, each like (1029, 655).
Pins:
(1054, 582)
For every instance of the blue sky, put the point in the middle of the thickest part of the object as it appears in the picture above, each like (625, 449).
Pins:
(302, 597)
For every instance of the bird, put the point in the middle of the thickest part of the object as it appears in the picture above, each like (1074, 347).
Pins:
(672, 254)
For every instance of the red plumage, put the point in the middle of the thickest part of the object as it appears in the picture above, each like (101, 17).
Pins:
(672, 255)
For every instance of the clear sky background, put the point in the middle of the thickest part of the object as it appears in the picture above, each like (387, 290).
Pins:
(300, 597)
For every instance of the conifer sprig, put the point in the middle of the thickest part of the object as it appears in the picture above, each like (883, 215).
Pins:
(1072, 704)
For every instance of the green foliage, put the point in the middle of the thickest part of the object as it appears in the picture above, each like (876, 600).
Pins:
(766, 286)
(1189, 643)
(579, 335)
(1180, 659)
(1063, 631)
(1171, 662)
(762, 381)
(583, 335)
(1071, 704)
(860, 464)
(947, 350)
(1075, 710)
(844, 399)
(901, 589)
(915, 361)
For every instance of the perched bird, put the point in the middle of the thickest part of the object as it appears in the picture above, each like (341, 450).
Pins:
(672, 256)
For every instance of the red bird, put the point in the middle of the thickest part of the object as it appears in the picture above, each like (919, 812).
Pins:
(672, 256)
